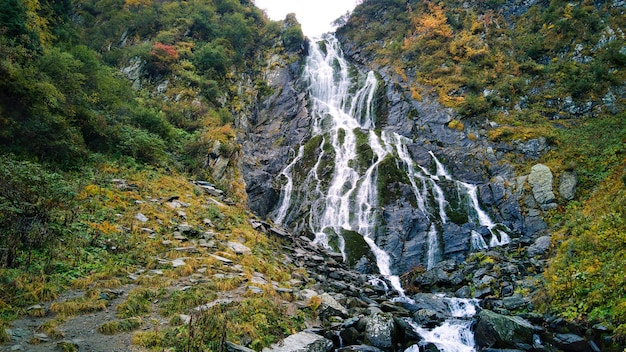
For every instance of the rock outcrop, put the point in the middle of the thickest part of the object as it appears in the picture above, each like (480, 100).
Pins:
(540, 179)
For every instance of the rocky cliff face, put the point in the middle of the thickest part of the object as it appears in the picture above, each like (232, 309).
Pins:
(277, 126)
(282, 122)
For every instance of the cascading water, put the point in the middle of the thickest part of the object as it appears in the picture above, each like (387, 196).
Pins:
(338, 172)
(281, 213)
(455, 334)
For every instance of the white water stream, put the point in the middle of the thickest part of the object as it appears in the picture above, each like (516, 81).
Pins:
(455, 334)
(342, 187)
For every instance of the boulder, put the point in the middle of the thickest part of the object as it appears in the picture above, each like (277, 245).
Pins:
(380, 330)
(571, 342)
(239, 248)
(540, 247)
(329, 307)
(502, 331)
(302, 342)
(540, 180)
(567, 185)
(534, 147)
(359, 348)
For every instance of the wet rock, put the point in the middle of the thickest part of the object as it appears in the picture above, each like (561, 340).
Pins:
(350, 336)
(428, 318)
(514, 302)
(302, 342)
(380, 330)
(567, 185)
(502, 331)
(434, 277)
(359, 348)
(540, 179)
(571, 342)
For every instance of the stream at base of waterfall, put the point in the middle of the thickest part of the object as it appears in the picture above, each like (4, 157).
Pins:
(342, 185)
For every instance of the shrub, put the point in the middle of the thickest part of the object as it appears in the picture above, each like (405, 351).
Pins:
(34, 203)
(141, 145)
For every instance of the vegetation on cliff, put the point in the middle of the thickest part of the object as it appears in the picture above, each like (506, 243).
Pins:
(107, 109)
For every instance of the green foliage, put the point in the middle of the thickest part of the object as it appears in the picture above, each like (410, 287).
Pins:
(584, 281)
(213, 58)
(34, 203)
(259, 320)
(142, 145)
(293, 38)
(12, 18)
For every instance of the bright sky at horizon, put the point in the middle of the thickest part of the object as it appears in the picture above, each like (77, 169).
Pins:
(315, 16)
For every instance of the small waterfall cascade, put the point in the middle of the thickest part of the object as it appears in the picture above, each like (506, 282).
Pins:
(285, 200)
(332, 185)
(455, 334)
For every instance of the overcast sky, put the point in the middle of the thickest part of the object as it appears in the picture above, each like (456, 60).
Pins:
(314, 15)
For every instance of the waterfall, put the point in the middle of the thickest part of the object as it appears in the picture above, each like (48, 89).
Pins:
(340, 166)
(433, 247)
(285, 200)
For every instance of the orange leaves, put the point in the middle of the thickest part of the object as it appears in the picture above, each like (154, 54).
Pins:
(164, 53)
(431, 24)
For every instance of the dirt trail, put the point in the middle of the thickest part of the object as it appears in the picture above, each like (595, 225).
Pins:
(80, 331)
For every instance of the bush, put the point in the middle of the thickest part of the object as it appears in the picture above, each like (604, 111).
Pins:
(141, 145)
(33, 205)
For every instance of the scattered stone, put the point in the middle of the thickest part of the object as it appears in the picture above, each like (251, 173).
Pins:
(186, 319)
(41, 337)
(301, 342)
(571, 342)
(258, 280)
(178, 262)
(359, 348)
(567, 185)
(239, 248)
(184, 228)
(221, 259)
(188, 249)
(231, 347)
(174, 205)
(141, 217)
(178, 236)
(255, 290)
(540, 179)
(534, 147)
(222, 301)
(514, 302)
